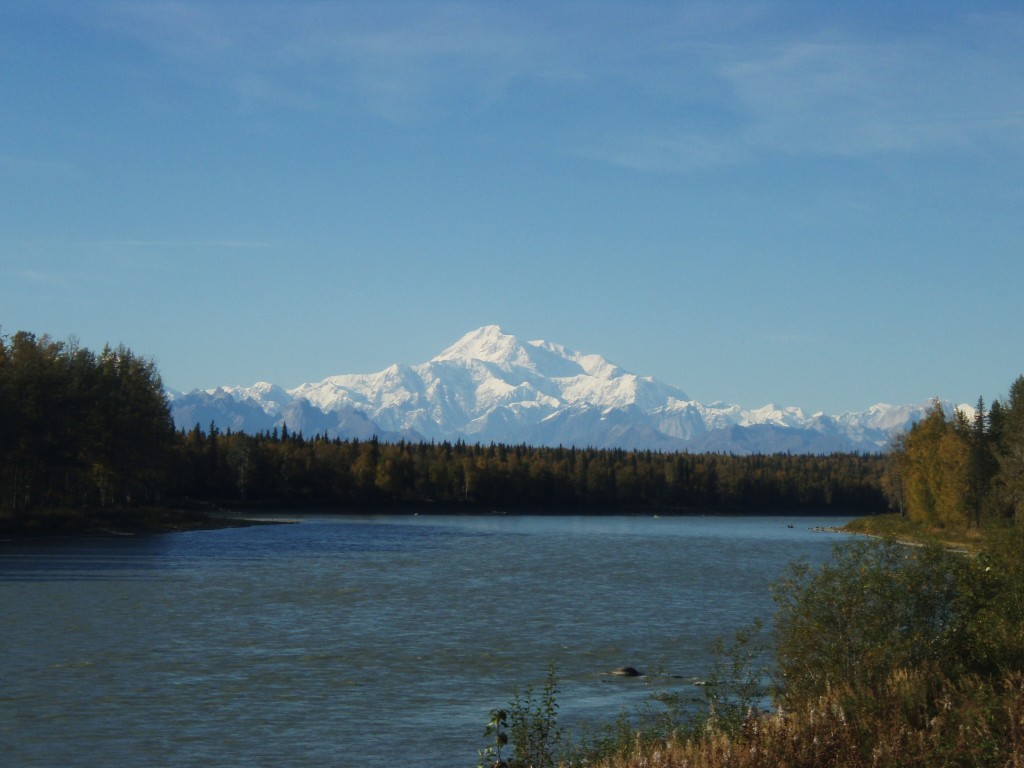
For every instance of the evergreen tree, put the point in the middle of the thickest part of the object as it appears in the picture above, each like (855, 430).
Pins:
(1010, 452)
(983, 463)
(79, 429)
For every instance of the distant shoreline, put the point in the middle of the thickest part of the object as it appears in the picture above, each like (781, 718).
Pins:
(149, 521)
(67, 524)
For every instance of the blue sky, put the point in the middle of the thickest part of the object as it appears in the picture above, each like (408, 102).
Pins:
(813, 204)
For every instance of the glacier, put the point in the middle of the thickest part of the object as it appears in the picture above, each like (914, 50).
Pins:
(491, 387)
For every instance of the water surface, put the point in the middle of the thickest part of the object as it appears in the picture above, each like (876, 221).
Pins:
(360, 640)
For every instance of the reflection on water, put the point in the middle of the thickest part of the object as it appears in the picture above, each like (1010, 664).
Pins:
(359, 641)
(86, 559)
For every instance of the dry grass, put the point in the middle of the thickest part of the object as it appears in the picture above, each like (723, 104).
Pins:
(918, 720)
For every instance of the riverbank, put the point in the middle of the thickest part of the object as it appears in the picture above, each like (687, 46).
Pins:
(940, 693)
(194, 516)
(893, 526)
(63, 522)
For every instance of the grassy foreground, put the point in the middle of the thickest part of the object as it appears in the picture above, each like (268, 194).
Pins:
(916, 719)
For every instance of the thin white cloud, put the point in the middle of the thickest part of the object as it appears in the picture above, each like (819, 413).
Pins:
(668, 152)
(790, 338)
(31, 165)
(71, 264)
(650, 86)
(401, 61)
(227, 244)
(863, 98)
(807, 92)
(44, 278)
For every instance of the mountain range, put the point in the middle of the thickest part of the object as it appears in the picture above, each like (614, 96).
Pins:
(491, 387)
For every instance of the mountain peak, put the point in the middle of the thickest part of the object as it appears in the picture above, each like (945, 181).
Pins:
(489, 386)
(489, 344)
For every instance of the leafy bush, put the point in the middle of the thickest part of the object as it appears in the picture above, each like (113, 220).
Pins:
(884, 606)
(737, 684)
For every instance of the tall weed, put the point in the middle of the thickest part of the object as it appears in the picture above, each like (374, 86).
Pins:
(531, 724)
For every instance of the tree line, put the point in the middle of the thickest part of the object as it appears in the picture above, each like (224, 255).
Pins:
(81, 430)
(286, 467)
(962, 472)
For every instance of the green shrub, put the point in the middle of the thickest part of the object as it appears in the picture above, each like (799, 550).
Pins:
(884, 606)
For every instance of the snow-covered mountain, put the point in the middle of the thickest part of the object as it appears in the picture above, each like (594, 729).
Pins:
(491, 387)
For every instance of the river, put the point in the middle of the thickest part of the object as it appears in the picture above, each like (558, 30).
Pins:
(361, 640)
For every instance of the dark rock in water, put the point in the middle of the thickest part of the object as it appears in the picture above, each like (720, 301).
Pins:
(626, 672)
